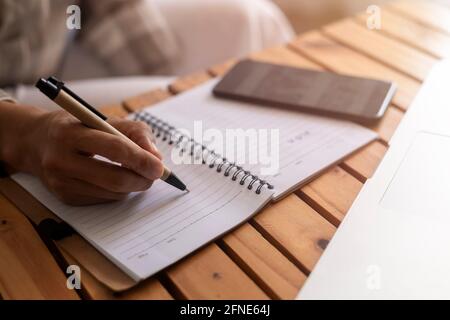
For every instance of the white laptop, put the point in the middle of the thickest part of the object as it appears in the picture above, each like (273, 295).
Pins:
(394, 242)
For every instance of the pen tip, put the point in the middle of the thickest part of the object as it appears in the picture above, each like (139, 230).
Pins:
(187, 190)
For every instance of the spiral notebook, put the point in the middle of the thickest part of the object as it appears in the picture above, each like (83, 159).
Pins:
(151, 230)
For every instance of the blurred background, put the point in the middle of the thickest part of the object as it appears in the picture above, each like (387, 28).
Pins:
(146, 44)
(306, 14)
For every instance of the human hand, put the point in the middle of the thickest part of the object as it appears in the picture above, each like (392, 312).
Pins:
(61, 152)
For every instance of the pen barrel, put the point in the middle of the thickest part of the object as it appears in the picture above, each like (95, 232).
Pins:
(91, 120)
(88, 118)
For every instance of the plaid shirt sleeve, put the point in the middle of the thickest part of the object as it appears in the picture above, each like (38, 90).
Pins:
(129, 36)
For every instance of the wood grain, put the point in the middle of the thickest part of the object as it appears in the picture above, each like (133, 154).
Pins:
(221, 68)
(115, 110)
(387, 125)
(424, 38)
(27, 269)
(428, 13)
(150, 289)
(284, 56)
(363, 164)
(296, 229)
(272, 271)
(210, 274)
(136, 103)
(395, 54)
(331, 194)
(188, 82)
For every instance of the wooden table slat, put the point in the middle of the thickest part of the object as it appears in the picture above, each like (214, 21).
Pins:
(332, 194)
(296, 230)
(221, 68)
(188, 82)
(150, 289)
(395, 54)
(428, 13)
(284, 56)
(211, 274)
(269, 268)
(136, 103)
(115, 110)
(387, 125)
(27, 269)
(363, 163)
(424, 38)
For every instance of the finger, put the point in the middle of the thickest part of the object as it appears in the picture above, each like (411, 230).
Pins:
(120, 150)
(106, 175)
(78, 192)
(139, 132)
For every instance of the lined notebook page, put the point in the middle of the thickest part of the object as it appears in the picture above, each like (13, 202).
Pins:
(308, 144)
(153, 229)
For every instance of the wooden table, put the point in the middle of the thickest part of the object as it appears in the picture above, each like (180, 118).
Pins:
(270, 256)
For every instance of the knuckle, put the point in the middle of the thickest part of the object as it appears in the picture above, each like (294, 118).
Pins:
(138, 128)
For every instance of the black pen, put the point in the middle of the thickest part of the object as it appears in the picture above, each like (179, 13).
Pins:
(91, 117)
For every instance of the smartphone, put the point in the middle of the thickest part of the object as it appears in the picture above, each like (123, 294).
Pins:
(323, 93)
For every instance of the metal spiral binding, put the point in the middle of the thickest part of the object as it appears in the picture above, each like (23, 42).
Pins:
(166, 132)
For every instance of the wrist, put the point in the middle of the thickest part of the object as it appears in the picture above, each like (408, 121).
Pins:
(18, 125)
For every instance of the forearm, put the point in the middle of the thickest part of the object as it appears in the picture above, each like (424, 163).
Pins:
(16, 126)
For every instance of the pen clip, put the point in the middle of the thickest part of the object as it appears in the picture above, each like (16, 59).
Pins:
(60, 85)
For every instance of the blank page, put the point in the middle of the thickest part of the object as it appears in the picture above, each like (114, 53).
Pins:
(153, 229)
